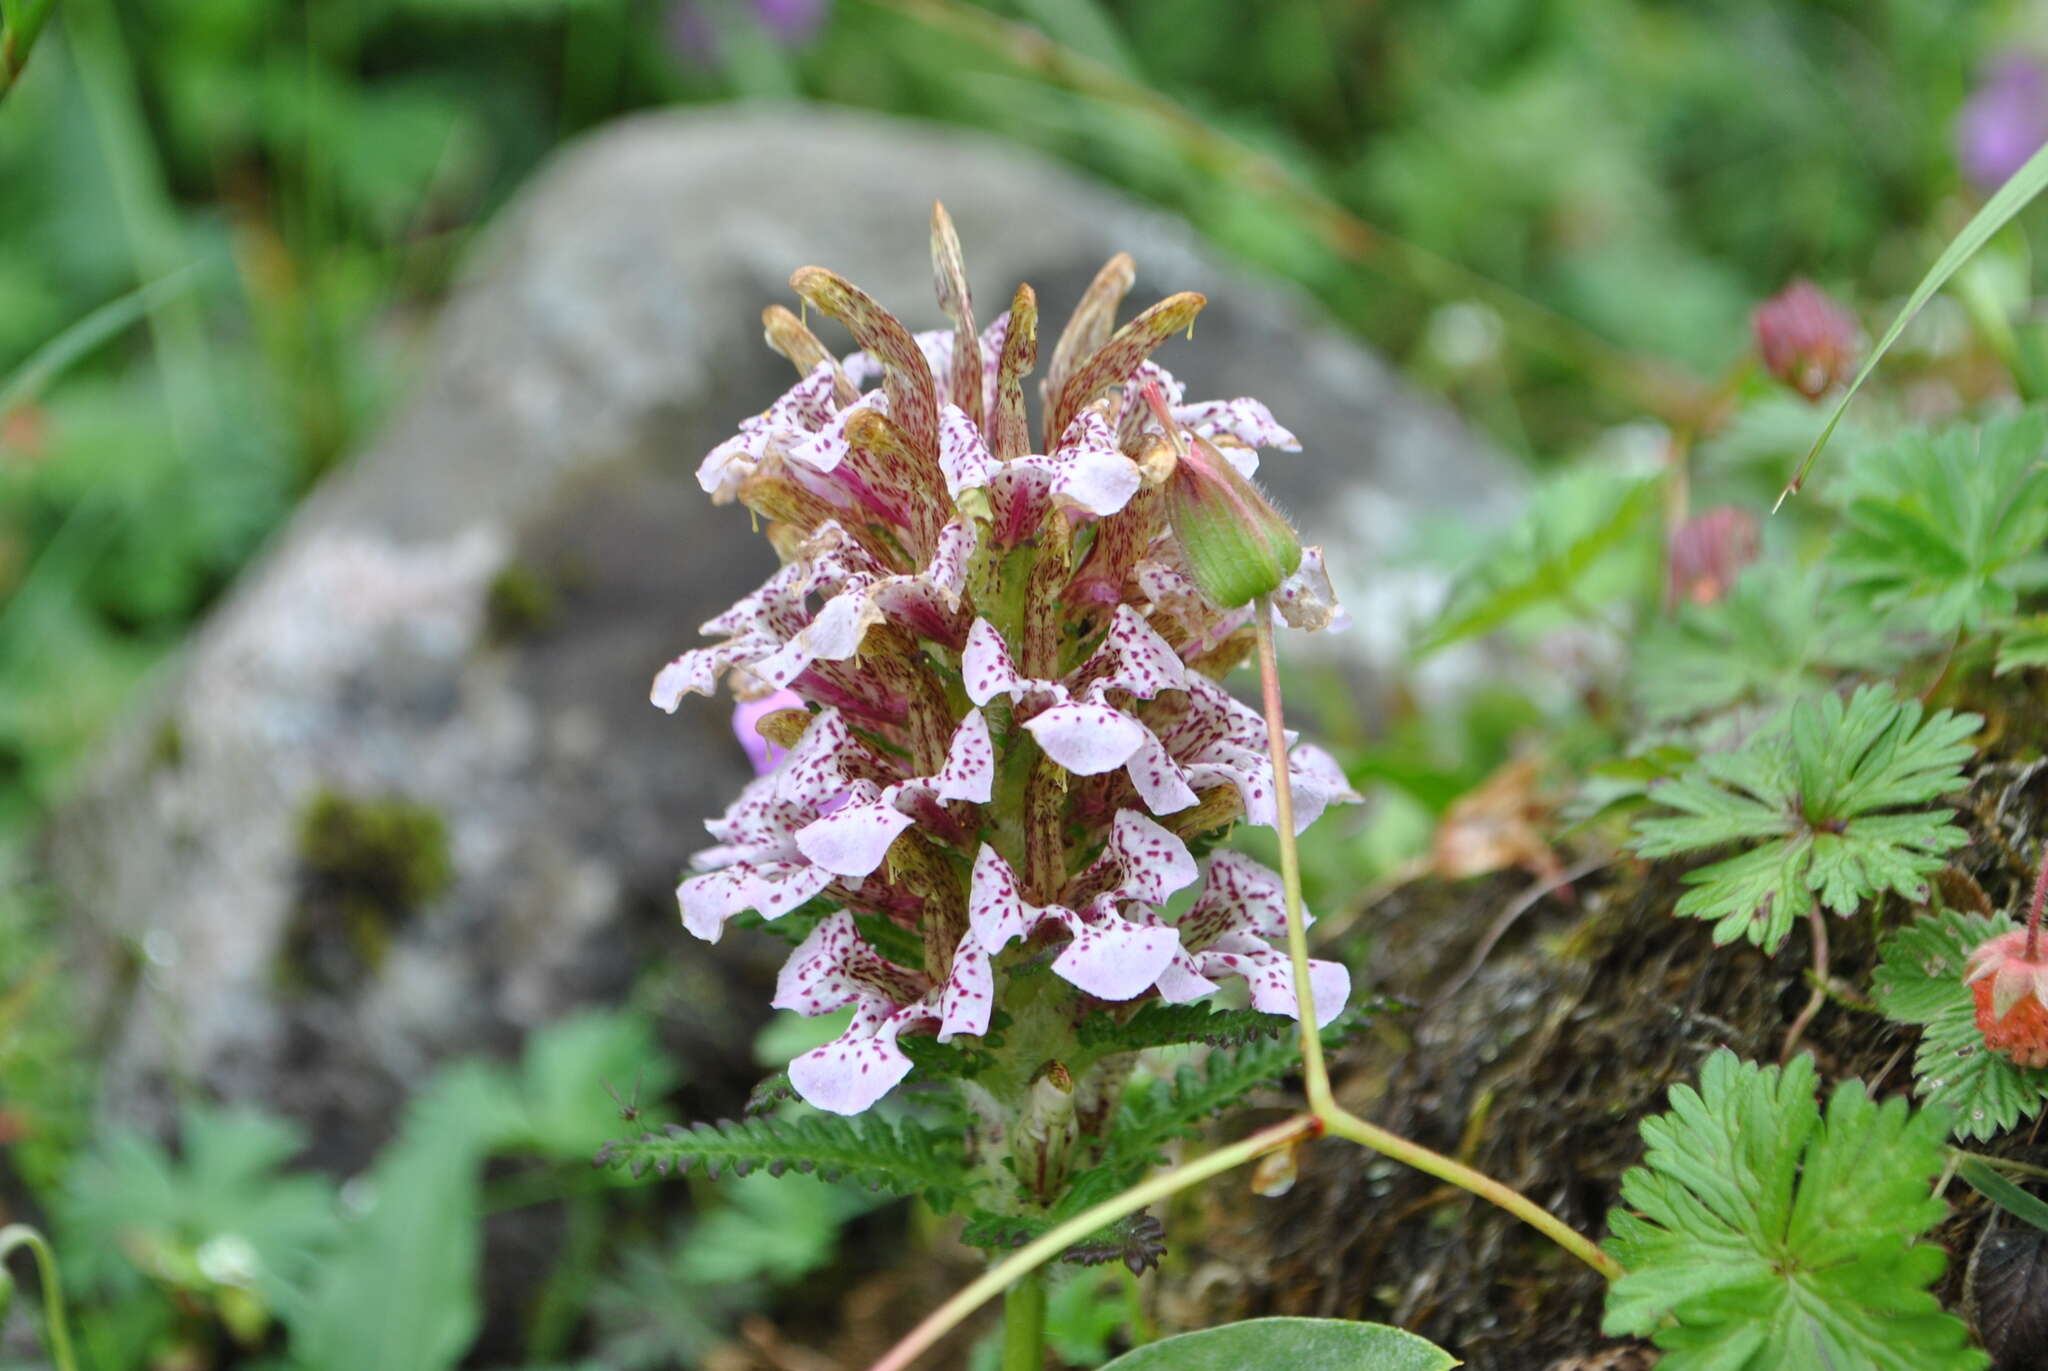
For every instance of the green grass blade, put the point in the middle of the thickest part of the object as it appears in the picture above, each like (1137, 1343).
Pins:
(55, 357)
(1998, 211)
(2004, 1193)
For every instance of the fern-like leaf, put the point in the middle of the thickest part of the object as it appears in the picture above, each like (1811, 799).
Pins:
(903, 1158)
(1159, 1024)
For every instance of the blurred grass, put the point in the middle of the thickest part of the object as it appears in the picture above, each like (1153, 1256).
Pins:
(1606, 184)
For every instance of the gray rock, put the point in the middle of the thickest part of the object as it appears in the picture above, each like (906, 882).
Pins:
(607, 336)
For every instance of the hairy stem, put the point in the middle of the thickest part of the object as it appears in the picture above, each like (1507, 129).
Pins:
(56, 1330)
(1819, 924)
(1322, 1101)
(1313, 1070)
(1024, 1325)
(2034, 908)
(1057, 1240)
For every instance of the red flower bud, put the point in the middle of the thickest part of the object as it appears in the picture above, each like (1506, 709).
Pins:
(1807, 340)
(1707, 552)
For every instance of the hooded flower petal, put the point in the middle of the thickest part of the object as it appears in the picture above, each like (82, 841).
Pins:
(1089, 471)
(1244, 419)
(1087, 738)
(802, 411)
(968, 996)
(835, 967)
(1141, 862)
(1132, 656)
(1306, 600)
(996, 913)
(770, 888)
(1110, 957)
(1227, 933)
(985, 665)
(853, 840)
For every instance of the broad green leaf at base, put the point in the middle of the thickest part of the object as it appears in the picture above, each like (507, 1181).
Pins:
(1292, 1344)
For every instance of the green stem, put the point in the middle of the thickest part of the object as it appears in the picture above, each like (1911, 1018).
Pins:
(19, 25)
(1321, 1100)
(56, 1330)
(1024, 1325)
(1058, 1239)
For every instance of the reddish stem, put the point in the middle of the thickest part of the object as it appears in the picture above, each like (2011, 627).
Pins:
(2034, 909)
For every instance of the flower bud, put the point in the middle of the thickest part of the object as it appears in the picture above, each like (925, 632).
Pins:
(1706, 554)
(1807, 340)
(1235, 544)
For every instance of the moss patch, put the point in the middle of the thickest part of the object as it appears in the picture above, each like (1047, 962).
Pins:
(520, 601)
(366, 865)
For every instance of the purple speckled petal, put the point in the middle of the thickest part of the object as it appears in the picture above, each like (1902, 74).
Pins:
(1244, 419)
(850, 1073)
(1110, 957)
(1141, 862)
(771, 888)
(970, 763)
(1306, 599)
(1090, 471)
(985, 665)
(968, 996)
(995, 911)
(1158, 779)
(853, 841)
(1086, 738)
(964, 458)
(1132, 656)
(1240, 896)
(1271, 978)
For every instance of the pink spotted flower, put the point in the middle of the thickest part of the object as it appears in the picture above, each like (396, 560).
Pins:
(1011, 674)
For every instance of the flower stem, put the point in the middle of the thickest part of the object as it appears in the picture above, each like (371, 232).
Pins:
(1322, 1101)
(1014, 1273)
(2034, 908)
(1024, 1325)
(56, 1330)
(1057, 1240)
(1313, 1070)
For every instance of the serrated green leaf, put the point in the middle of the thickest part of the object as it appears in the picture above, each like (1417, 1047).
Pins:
(1760, 1236)
(2023, 644)
(1813, 790)
(1297, 1344)
(1921, 981)
(1768, 640)
(1940, 528)
(904, 1158)
(1571, 526)
(1158, 1024)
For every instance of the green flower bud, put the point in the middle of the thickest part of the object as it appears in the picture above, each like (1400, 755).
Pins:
(1236, 545)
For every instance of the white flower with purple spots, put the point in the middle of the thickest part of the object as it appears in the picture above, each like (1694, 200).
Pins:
(1231, 931)
(914, 510)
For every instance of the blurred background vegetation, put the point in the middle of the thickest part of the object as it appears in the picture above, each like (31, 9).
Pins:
(225, 225)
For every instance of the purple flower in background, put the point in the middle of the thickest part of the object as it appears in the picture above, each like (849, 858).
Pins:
(692, 26)
(791, 21)
(746, 717)
(2004, 122)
